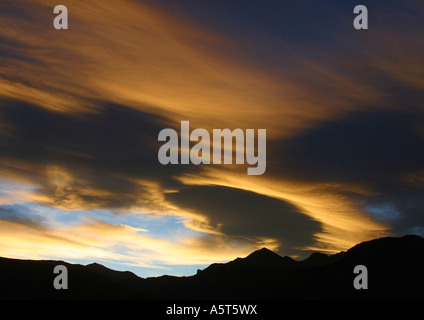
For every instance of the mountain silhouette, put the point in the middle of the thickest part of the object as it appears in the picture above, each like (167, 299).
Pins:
(395, 271)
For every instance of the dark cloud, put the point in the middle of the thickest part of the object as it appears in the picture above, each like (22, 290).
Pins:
(376, 149)
(369, 148)
(105, 150)
(22, 215)
(240, 213)
(401, 207)
(12, 50)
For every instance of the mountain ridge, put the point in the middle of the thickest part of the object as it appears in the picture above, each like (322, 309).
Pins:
(395, 268)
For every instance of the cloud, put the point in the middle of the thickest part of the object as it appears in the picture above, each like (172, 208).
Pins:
(381, 153)
(371, 148)
(19, 214)
(104, 159)
(332, 205)
(161, 63)
(400, 206)
(248, 215)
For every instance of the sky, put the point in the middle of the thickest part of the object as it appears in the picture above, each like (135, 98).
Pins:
(81, 110)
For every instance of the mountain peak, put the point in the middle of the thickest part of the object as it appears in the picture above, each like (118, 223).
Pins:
(264, 251)
(97, 266)
(315, 259)
(265, 256)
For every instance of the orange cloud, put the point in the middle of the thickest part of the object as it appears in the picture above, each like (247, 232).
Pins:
(151, 60)
(344, 223)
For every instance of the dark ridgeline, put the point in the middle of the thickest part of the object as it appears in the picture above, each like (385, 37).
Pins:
(395, 271)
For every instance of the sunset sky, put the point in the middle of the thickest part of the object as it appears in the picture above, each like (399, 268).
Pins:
(81, 110)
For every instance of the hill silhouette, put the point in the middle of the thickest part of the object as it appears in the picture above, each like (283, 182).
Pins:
(395, 271)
